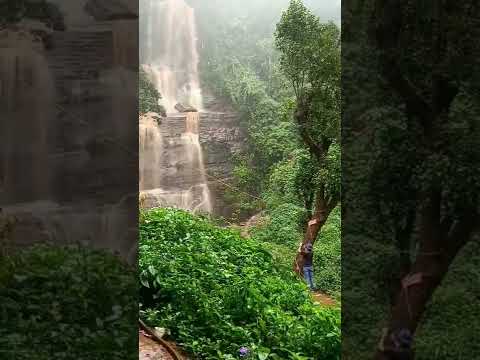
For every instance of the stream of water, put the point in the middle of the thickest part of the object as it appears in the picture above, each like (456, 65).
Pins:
(170, 57)
(27, 96)
(172, 173)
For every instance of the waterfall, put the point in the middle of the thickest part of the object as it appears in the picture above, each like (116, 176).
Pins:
(170, 55)
(172, 169)
(151, 147)
(27, 99)
(172, 172)
(106, 227)
(195, 155)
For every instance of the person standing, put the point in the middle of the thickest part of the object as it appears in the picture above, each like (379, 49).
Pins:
(308, 265)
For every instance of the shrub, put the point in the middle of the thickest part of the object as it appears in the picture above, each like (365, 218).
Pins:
(283, 225)
(282, 232)
(148, 96)
(327, 255)
(217, 292)
(59, 303)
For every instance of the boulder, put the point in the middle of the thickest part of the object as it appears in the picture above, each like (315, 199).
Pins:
(151, 116)
(183, 108)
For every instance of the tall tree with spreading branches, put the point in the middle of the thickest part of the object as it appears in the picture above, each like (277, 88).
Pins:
(310, 59)
(429, 61)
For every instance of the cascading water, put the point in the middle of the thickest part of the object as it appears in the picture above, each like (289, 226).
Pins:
(172, 171)
(169, 54)
(27, 98)
(194, 152)
(28, 76)
(151, 146)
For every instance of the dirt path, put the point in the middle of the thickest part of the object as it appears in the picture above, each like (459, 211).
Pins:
(323, 299)
(182, 355)
(152, 347)
(149, 349)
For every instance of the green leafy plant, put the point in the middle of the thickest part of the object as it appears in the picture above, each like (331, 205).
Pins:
(282, 226)
(217, 292)
(13, 11)
(327, 256)
(67, 303)
(281, 233)
(148, 96)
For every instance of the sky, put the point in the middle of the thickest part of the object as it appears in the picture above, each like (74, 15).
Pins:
(328, 9)
(75, 16)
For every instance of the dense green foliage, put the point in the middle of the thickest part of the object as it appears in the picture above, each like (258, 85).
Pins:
(148, 97)
(282, 225)
(13, 11)
(310, 61)
(327, 256)
(240, 64)
(216, 292)
(409, 126)
(243, 62)
(244, 66)
(67, 303)
(281, 232)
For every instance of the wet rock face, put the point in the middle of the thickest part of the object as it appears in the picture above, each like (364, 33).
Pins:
(48, 222)
(87, 148)
(183, 108)
(220, 138)
(92, 110)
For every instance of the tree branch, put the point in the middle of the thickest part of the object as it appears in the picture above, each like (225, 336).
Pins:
(302, 116)
(386, 34)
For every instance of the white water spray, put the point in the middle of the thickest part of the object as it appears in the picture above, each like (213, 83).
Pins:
(27, 97)
(172, 170)
(194, 152)
(172, 173)
(151, 147)
(170, 55)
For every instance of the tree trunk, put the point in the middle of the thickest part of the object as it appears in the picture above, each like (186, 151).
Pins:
(323, 208)
(436, 253)
(403, 243)
(410, 305)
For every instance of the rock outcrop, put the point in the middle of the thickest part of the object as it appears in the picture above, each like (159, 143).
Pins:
(107, 10)
(90, 137)
(183, 108)
(220, 138)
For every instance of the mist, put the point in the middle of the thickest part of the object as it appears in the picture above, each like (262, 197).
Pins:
(325, 9)
(257, 9)
(73, 11)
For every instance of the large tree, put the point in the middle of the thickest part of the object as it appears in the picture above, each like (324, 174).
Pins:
(429, 60)
(310, 59)
(412, 90)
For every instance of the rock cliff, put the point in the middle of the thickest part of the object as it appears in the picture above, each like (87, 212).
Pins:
(93, 147)
(220, 139)
(90, 134)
